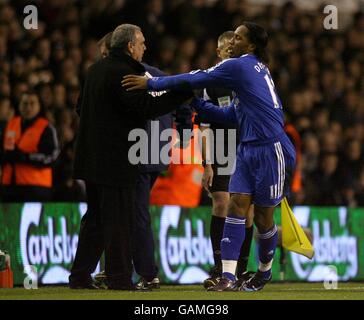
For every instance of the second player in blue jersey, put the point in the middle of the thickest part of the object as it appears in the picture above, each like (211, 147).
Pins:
(266, 157)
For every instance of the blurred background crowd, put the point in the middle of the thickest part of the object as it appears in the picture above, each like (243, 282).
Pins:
(318, 73)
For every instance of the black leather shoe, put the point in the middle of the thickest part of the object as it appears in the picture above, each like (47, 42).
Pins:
(243, 278)
(256, 283)
(143, 283)
(223, 285)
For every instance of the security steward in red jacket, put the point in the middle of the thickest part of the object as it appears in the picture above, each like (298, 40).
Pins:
(29, 148)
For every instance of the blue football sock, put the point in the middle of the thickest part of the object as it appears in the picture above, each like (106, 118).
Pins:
(267, 245)
(232, 240)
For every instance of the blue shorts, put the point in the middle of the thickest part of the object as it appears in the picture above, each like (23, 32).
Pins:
(264, 170)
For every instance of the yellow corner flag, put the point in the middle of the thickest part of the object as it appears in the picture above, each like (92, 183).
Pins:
(293, 237)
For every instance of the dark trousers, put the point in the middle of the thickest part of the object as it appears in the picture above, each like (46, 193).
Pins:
(143, 242)
(107, 225)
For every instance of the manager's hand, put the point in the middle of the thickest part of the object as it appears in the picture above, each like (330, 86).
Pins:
(133, 82)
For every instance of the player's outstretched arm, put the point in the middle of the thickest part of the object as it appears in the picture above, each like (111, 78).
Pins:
(222, 75)
(214, 113)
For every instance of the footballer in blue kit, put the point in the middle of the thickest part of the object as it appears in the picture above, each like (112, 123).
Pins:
(265, 158)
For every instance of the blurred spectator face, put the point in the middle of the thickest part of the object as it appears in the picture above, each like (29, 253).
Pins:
(336, 129)
(18, 66)
(312, 68)
(73, 36)
(355, 69)
(327, 79)
(329, 142)
(76, 55)
(72, 95)
(311, 145)
(188, 48)
(329, 163)
(297, 103)
(137, 48)
(354, 150)
(5, 110)
(46, 96)
(303, 123)
(7, 13)
(91, 50)
(38, 33)
(69, 72)
(15, 31)
(59, 52)
(351, 100)
(156, 7)
(321, 120)
(43, 50)
(72, 15)
(29, 106)
(4, 86)
(59, 94)
(57, 36)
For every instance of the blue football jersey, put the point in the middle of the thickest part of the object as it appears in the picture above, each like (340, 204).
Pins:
(256, 107)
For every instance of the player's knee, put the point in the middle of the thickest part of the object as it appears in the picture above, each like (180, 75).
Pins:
(238, 205)
(220, 202)
(220, 208)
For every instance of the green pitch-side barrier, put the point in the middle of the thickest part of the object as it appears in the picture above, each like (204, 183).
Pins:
(45, 236)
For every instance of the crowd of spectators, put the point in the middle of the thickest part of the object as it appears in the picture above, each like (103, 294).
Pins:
(318, 74)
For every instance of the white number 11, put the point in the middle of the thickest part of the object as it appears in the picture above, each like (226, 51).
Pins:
(270, 84)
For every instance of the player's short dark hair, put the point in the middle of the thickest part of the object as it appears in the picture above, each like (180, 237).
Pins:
(107, 40)
(258, 36)
(227, 35)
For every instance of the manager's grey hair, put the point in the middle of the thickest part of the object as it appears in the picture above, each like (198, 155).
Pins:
(123, 34)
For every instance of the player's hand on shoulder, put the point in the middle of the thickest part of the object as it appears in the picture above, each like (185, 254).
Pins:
(134, 82)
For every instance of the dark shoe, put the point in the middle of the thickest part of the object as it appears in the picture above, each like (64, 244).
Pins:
(223, 285)
(244, 277)
(143, 283)
(101, 280)
(211, 282)
(215, 276)
(256, 283)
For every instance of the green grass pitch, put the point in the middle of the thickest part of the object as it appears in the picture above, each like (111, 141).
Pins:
(274, 291)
